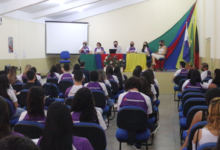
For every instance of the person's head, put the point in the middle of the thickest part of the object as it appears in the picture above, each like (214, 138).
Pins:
(117, 72)
(109, 71)
(34, 69)
(149, 65)
(76, 67)
(115, 43)
(53, 69)
(35, 102)
(151, 73)
(12, 75)
(78, 76)
(147, 76)
(216, 80)
(98, 45)
(102, 75)
(83, 102)
(211, 93)
(94, 76)
(204, 67)
(195, 77)
(145, 44)
(17, 143)
(145, 88)
(182, 64)
(58, 128)
(31, 76)
(136, 72)
(190, 73)
(139, 67)
(161, 43)
(214, 114)
(132, 44)
(4, 86)
(133, 83)
(66, 67)
(4, 119)
(27, 68)
(85, 43)
(59, 70)
(82, 64)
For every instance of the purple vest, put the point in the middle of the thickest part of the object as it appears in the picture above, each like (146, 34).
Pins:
(110, 77)
(197, 86)
(17, 134)
(24, 77)
(76, 116)
(54, 76)
(85, 50)
(209, 74)
(184, 72)
(36, 119)
(94, 86)
(132, 49)
(66, 76)
(101, 49)
(134, 99)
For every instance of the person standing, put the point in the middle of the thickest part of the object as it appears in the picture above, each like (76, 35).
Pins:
(132, 48)
(99, 49)
(118, 48)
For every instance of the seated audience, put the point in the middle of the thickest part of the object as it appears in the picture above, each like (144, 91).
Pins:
(5, 129)
(66, 75)
(23, 75)
(195, 82)
(53, 73)
(216, 79)
(152, 76)
(12, 75)
(38, 78)
(190, 73)
(99, 49)
(110, 74)
(131, 48)
(205, 71)
(83, 108)
(59, 70)
(139, 67)
(31, 80)
(78, 79)
(161, 52)
(7, 92)
(103, 78)
(35, 106)
(58, 131)
(117, 73)
(82, 67)
(137, 73)
(182, 71)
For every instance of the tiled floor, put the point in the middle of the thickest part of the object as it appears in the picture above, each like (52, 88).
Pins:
(167, 137)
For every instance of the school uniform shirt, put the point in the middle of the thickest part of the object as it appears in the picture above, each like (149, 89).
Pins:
(156, 83)
(76, 117)
(97, 86)
(132, 49)
(153, 90)
(98, 50)
(108, 83)
(118, 48)
(210, 81)
(206, 74)
(71, 91)
(135, 98)
(19, 77)
(86, 50)
(12, 95)
(29, 85)
(55, 75)
(25, 117)
(183, 72)
(67, 76)
(39, 79)
(200, 86)
(113, 78)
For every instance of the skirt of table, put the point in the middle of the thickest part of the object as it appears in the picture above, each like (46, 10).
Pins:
(132, 60)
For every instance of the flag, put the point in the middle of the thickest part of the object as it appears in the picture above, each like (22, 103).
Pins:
(196, 54)
(192, 45)
(186, 49)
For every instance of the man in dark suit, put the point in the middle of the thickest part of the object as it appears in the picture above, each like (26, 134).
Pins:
(82, 67)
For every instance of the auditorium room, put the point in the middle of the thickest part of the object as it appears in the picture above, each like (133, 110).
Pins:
(109, 75)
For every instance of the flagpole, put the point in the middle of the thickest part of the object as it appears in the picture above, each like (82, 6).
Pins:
(187, 31)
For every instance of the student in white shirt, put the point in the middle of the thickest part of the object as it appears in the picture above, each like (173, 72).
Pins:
(216, 79)
(53, 73)
(99, 49)
(205, 71)
(37, 76)
(85, 49)
(132, 48)
(119, 49)
(110, 75)
(103, 78)
(66, 75)
(83, 108)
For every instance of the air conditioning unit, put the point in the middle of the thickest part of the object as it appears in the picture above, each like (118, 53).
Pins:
(1, 20)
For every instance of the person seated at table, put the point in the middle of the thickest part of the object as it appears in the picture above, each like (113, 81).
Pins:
(99, 49)
(118, 48)
(161, 52)
(66, 75)
(182, 71)
(132, 48)
(53, 73)
(103, 78)
(31, 80)
(23, 75)
(146, 50)
(216, 79)
(85, 49)
(12, 76)
(110, 74)
(205, 71)
(82, 68)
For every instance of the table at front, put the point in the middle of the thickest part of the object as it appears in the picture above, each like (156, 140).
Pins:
(95, 61)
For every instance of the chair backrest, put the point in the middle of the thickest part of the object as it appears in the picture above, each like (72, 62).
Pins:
(65, 55)
(51, 90)
(17, 86)
(132, 119)
(31, 129)
(25, 80)
(22, 100)
(192, 112)
(181, 83)
(191, 90)
(191, 95)
(109, 90)
(99, 98)
(207, 79)
(48, 101)
(191, 103)
(157, 90)
(69, 101)
(64, 84)
(11, 108)
(93, 132)
(114, 87)
(52, 80)
(207, 146)
(179, 78)
(193, 130)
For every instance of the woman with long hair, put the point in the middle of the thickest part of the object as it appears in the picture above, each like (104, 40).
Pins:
(103, 78)
(75, 68)
(59, 70)
(137, 73)
(152, 76)
(216, 80)
(53, 73)
(146, 89)
(35, 106)
(146, 50)
(12, 75)
(162, 51)
(190, 73)
(58, 131)
(117, 73)
(38, 77)
(110, 74)
(83, 108)
(23, 75)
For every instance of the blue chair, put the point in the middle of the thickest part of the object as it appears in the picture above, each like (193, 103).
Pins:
(93, 132)
(207, 146)
(64, 55)
(114, 87)
(22, 99)
(180, 95)
(69, 101)
(64, 85)
(177, 87)
(18, 87)
(132, 126)
(11, 112)
(100, 100)
(52, 80)
(31, 129)
(207, 79)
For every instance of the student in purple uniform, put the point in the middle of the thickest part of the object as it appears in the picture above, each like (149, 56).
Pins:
(76, 68)
(152, 76)
(117, 73)
(205, 71)
(53, 73)
(24, 74)
(132, 48)
(182, 71)
(5, 129)
(7, 92)
(66, 75)
(83, 108)
(136, 73)
(85, 49)
(103, 78)
(139, 68)
(12, 75)
(58, 131)
(35, 106)
(59, 70)
(216, 79)
(31, 81)
(110, 74)
(195, 82)
(38, 77)
(99, 49)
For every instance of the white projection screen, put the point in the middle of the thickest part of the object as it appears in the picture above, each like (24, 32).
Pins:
(65, 36)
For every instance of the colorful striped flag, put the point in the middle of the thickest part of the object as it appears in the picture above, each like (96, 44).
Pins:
(192, 45)
(186, 49)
